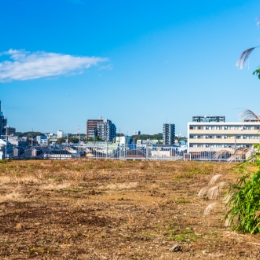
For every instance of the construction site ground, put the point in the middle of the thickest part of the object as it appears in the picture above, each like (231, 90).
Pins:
(101, 209)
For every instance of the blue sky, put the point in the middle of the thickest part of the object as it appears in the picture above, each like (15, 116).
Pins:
(138, 63)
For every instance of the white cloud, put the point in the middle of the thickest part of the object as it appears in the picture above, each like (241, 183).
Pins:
(25, 65)
(106, 67)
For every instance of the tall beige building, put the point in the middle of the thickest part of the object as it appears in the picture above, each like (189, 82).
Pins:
(215, 136)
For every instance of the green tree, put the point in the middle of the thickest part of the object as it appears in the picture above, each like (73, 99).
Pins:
(95, 139)
(73, 140)
(61, 140)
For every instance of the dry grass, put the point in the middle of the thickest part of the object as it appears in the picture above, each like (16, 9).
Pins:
(115, 210)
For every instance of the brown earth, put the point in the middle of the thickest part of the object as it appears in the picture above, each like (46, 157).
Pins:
(115, 210)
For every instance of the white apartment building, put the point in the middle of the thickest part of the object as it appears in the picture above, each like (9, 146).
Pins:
(106, 130)
(215, 136)
(123, 140)
(60, 134)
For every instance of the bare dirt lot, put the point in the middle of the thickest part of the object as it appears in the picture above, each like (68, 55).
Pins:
(115, 210)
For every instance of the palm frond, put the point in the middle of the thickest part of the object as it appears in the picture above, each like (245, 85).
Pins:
(258, 21)
(227, 222)
(228, 197)
(209, 208)
(203, 191)
(220, 153)
(244, 56)
(248, 114)
(213, 192)
(238, 154)
(214, 179)
(241, 151)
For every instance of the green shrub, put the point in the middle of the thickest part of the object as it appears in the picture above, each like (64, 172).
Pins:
(243, 200)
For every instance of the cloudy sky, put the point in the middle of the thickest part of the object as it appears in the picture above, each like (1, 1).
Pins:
(138, 63)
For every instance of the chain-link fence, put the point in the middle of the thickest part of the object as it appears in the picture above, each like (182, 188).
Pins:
(115, 151)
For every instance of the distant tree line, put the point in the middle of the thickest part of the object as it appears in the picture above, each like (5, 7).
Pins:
(28, 134)
(70, 140)
(147, 136)
(155, 137)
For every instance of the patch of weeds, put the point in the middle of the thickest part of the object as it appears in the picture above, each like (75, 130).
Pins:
(212, 234)
(190, 174)
(50, 177)
(73, 190)
(89, 166)
(146, 236)
(241, 168)
(118, 166)
(179, 237)
(157, 225)
(32, 251)
(4, 161)
(55, 178)
(195, 171)
(196, 168)
(39, 250)
(186, 235)
(181, 201)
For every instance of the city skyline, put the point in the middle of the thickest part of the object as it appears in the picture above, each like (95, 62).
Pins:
(139, 64)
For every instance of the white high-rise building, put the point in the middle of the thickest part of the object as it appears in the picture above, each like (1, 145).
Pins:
(60, 134)
(106, 131)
